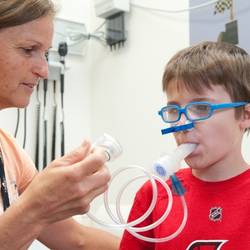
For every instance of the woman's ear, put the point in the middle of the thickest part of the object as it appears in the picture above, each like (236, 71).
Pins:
(245, 119)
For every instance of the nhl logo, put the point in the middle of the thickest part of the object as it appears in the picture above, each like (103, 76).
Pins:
(215, 214)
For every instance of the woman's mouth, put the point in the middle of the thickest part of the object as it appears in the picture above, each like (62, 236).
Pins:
(29, 86)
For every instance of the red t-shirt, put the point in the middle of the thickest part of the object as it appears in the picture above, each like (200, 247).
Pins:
(218, 215)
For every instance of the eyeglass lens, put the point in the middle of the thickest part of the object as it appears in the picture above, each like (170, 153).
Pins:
(198, 111)
(193, 112)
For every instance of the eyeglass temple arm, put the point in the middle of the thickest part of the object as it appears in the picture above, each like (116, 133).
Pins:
(228, 105)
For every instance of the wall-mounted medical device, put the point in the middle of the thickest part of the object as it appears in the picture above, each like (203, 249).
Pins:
(70, 32)
(113, 11)
(108, 8)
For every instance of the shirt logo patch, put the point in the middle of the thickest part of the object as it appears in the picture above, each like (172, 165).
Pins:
(206, 245)
(215, 214)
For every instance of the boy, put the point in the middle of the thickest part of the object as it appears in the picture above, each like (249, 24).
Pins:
(217, 183)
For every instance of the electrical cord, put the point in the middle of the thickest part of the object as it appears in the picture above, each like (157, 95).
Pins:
(74, 38)
(25, 128)
(17, 123)
(62, 51)
(53, 149)
(38, 110)
(25, 125)
(199, 6)
(100, 26)
(45, 87)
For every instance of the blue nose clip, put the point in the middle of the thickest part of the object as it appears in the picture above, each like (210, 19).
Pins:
(177, 128)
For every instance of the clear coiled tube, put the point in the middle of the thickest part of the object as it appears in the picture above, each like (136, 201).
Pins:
(164, 168)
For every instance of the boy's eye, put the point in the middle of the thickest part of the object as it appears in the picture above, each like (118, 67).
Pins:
(200, 108)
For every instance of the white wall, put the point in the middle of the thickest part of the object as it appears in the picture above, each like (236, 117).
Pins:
(126, 88)
(126, 83)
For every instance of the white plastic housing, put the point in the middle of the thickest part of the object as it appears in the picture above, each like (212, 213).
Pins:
(169, 164)
(111, 146)
(107, 8)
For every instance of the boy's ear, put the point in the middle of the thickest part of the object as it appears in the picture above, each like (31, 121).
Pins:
(245, 120)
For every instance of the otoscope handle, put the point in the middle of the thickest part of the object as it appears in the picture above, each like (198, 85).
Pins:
(45, 144)
(62, 139)
(63, 49)
(37, 136)
(62, 83)
(53, 147)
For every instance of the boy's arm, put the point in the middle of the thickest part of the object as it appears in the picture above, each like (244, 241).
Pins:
(68, 234)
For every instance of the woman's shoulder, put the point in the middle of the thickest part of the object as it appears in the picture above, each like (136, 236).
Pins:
(6, 137)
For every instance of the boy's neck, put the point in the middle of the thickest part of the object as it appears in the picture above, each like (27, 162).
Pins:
(221, 171)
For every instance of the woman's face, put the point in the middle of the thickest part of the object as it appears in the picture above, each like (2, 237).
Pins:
(23, 61)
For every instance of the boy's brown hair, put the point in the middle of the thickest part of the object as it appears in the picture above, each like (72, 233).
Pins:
(211, 63)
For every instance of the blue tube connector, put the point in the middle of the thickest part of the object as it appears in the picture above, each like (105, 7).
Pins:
(177, 185)
(169, 164)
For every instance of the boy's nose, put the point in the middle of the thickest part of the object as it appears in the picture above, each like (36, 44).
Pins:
(183, 120)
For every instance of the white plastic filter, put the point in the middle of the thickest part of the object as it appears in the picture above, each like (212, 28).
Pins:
(111, 146)
(167, 165)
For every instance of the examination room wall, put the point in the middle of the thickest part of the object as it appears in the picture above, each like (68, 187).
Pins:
(127, 92)
(126, 83)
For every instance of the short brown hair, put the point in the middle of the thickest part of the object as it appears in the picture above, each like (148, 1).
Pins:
(17, 12)
(211, 63)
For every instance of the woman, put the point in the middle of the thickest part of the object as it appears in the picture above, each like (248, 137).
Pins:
(39, 205)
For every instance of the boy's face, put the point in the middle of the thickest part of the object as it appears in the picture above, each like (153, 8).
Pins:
(218, 138)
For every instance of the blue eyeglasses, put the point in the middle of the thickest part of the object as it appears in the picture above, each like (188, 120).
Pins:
(194, 111)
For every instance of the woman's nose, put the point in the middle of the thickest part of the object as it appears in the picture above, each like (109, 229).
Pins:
(40, 68)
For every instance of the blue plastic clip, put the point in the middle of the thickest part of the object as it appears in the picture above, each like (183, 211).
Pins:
(177, 128)
(177, 185)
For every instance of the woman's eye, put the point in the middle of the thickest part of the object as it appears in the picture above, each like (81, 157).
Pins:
(27, 51)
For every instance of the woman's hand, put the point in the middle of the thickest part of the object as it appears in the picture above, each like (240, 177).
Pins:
(66, 186)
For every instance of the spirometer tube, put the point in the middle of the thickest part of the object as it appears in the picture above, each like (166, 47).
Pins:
(164, 168)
